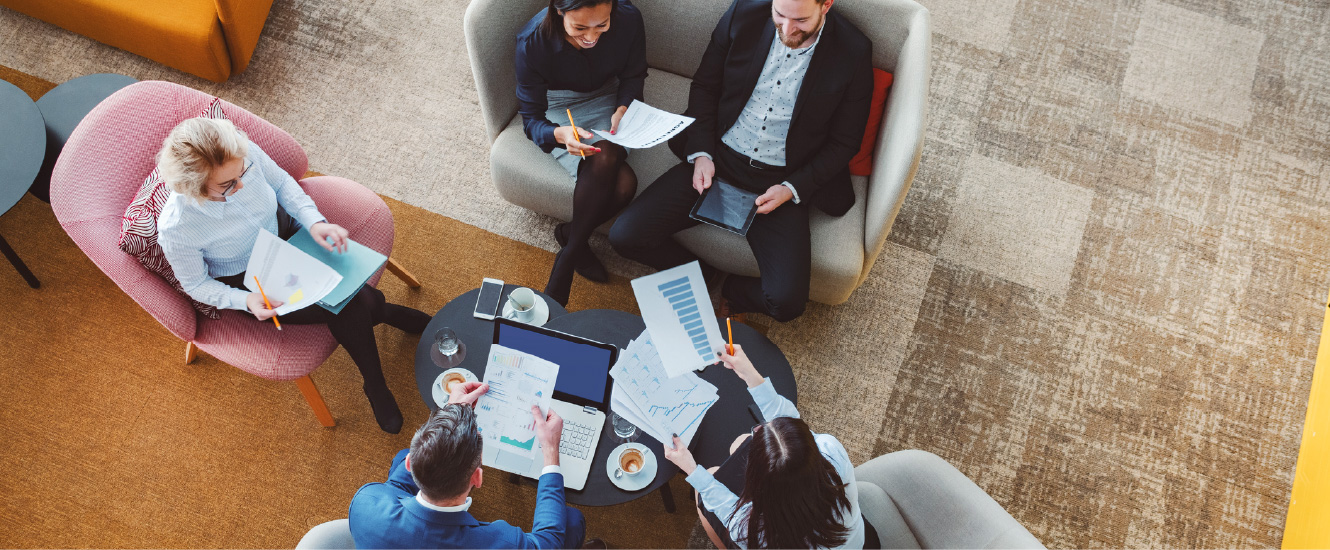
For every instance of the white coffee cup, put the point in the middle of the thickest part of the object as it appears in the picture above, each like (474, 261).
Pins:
(523, 301)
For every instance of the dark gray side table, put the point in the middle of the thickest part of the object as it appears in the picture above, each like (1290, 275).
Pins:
(63, 108)
(726, 420)
(22, 146)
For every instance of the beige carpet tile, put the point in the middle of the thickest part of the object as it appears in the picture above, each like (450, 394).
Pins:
(983, 24)
(1017, 224)
(870, 335)
(1188, 60)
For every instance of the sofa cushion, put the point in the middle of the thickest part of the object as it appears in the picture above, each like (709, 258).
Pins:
(182, 34)
(862, 163)
(881, 512)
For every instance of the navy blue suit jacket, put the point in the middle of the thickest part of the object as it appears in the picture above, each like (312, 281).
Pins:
(387, 515)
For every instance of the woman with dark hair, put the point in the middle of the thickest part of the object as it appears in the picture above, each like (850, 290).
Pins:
(795, 487)
(587, 57)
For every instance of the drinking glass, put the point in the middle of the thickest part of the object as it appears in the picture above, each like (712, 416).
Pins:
(446, 340)
(623, 429)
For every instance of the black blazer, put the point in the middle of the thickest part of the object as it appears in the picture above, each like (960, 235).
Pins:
(829, 114)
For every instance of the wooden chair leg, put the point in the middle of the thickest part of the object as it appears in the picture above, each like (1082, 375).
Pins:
(306, 385)
(406, 276)
(191, 351)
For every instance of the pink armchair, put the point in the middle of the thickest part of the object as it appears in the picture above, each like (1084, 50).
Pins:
(104, 163)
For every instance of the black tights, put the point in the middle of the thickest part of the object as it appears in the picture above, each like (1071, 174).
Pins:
(353, 328)
(605, 185)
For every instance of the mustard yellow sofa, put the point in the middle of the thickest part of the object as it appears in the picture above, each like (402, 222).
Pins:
(213, 39)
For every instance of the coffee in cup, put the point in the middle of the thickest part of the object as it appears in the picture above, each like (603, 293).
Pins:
(451, 379)
(631, 461)
(523, 302)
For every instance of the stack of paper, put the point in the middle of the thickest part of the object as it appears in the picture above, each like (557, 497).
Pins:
(288, 274)
(517, 381)
(356, 265)
(653, 401)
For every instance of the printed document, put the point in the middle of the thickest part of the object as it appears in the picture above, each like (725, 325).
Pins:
(678, 314)
(288, 274)
(356, 266)
(517, 381)
(644, 126)
(655, 402)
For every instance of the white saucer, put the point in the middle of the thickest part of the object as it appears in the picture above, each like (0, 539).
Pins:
(542, 313)
(639, 481)
(436, 389)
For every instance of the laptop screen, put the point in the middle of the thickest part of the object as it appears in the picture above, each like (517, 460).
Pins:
(584, 366)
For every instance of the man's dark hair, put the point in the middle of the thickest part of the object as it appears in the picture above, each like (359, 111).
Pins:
(795, 492)
(552, 27)
(445, 451)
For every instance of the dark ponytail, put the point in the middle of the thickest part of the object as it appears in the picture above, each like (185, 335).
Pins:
(552, 27)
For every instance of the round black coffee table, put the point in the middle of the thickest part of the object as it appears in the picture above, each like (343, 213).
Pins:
(726, 420)
(63, 108)
(22, 146)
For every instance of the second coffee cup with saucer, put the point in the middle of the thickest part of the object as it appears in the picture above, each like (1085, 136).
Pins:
(631, 481)
(536, 312)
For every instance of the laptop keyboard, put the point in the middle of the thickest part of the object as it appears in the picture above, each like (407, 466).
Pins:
(576, 440)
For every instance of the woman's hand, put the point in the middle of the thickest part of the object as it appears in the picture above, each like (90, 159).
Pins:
(616, 117)
(260, 310)
(323, 231)
(679, 454)
(564, 135)
(741, 366)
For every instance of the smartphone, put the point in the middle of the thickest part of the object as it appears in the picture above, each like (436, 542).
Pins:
(487, 303)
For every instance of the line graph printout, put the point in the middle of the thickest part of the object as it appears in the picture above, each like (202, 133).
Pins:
(517, 381)
(652, 400)
(678, 315)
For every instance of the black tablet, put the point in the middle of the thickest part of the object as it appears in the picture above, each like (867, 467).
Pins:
(727, 207)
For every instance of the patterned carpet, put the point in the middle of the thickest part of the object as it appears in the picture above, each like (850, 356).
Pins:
(1101, 300)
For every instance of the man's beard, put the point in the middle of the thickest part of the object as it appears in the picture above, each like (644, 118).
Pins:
(798, 39)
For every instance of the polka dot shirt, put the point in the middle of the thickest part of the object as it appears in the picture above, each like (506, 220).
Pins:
(765, 121)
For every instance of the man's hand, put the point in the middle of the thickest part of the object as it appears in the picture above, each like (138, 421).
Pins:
(703, 171)
(741, 366)
(616, 117)
(548, 430)
(323, 231)
(467, 393)
(679, 454)
(564, 135)
(260, 310)
(776, 195)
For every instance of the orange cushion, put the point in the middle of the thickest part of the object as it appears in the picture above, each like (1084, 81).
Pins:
(862, 163)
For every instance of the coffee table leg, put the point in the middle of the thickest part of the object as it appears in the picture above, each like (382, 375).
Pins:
(667, 496)
(18, 264)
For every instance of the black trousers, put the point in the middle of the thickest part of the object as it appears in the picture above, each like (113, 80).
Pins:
(779, 239)
(353, 327)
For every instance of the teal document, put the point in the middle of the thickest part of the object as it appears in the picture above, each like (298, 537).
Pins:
(356, 265)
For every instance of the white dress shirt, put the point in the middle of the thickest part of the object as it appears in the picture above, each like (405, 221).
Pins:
(764, 123)
(203, 241)
(721, 501)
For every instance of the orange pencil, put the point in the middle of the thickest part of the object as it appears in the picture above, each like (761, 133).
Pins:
(266, 302)
(574, 125)
(730, 328)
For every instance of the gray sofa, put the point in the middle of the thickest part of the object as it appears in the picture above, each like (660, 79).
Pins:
(917, 500)
(844, 248)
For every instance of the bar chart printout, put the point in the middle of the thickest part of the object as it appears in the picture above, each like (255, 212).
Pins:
(678, 315)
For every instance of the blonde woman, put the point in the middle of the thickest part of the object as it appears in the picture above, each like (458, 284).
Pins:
(225, 190)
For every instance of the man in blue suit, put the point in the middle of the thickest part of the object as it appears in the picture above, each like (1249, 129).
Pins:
(425, 500)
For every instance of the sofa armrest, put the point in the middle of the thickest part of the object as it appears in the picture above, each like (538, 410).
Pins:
(942, 507)
(900, 139)
(242, 23)
(491, 41)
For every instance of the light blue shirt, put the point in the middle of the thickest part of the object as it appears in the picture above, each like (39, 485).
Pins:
(203, 241)
(721, 501)
(764, 123)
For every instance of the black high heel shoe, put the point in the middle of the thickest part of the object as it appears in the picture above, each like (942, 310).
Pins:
(385, 409)
(588, 265)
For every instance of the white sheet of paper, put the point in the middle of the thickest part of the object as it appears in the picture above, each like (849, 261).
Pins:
(655, 402)
(288, 274)
(678, 314)
(644, 126)
(517, 381)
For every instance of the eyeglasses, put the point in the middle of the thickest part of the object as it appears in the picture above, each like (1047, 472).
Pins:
(230, 186)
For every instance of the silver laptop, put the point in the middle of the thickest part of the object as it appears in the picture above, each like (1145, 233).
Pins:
(581, 397)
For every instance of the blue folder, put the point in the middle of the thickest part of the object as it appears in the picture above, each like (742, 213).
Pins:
(356, 265)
